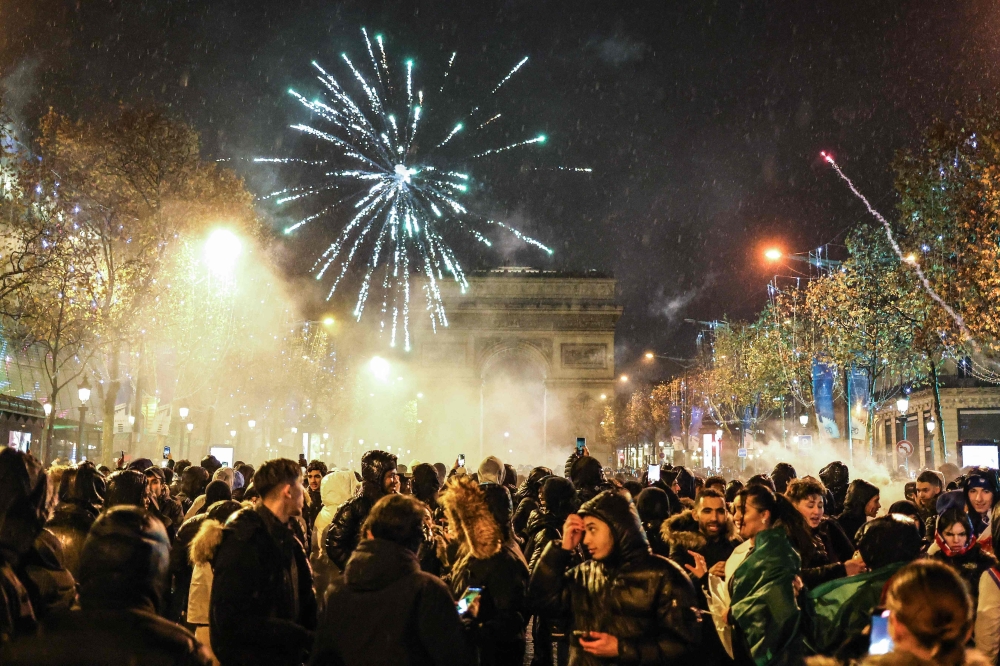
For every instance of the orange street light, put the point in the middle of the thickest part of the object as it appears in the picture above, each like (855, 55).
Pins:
(650, 355)
(772, 254)
(623, 379)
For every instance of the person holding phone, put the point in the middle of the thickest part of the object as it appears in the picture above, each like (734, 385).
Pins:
(625, 603)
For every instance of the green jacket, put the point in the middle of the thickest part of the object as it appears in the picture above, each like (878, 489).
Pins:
(764, 607)
(842, 608)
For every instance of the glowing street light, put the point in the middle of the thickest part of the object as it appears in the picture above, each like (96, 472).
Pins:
(380, 368)
(902, 404)
(183, 411)
(772, 254)
(328, 321)
(604, 396)
(251, 424)
(804, 420)
(221, 251)
(930, 425)
(190, 426)
(83, 392)
(47, 408)
(650, 355)
(232, 433)
(294, 430)
(623, 379)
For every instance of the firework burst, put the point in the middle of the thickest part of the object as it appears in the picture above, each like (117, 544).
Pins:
(404, 199)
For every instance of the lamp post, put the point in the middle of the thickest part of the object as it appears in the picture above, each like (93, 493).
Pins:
(190, 427)
(183, 413)
(83, 392)
(47, 442)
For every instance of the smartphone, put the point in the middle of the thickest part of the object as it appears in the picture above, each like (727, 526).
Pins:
(881, 642)
(654, 473)
(461, 460)
(468, 598)
(166, 451)
(581, 442)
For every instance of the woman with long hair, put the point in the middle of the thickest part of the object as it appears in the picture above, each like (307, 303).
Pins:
(930, 616)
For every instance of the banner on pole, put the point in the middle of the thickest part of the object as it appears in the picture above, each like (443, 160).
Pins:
(823, 395)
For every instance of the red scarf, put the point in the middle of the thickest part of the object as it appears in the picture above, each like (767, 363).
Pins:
(953, 552)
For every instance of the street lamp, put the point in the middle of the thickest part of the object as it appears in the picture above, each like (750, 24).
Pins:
(251, 424)
(183, 411)
(47, 408)
(294, 430)
(902, 405)
(232, 434)
(82, 392)
(222, 249)
(623, 379)
(804, 420)
(930, 425)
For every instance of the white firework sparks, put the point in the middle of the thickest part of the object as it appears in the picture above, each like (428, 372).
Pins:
(403, 203)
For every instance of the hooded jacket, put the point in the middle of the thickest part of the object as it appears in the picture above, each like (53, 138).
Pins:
(835, 477)
(336, 488)
(647, 602)
(81, 496)
(263, 608)
(499, 629)
(859, 493)
(683, 533)
(526, 500)
(344, 532)
(653, 505)
(122, 577)
(587, 476)
(384, 610)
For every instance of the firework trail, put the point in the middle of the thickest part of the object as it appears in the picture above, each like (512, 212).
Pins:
(911, 260)
(403, 199)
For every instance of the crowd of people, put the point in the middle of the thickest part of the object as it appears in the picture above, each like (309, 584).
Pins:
(294, 563)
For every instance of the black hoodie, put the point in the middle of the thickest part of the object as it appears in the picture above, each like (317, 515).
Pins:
(384, 610)
(645, 601)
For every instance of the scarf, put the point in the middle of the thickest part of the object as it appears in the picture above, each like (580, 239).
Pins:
(953, 552)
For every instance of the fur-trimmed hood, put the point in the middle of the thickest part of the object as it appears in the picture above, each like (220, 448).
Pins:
(469, 517)
(205, 542)
(683, 530)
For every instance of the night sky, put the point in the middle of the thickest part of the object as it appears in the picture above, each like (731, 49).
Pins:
(703, 121)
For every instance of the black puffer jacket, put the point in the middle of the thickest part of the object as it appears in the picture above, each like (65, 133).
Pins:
(344, 533)
(263, 608)
(542, 528)
(526, 500)
(646, 601)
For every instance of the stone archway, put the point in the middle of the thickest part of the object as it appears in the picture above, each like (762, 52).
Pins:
(512, 406)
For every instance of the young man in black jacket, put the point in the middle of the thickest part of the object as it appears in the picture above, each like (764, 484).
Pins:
(625, 604)
(378, 479)
(263, 608)
(384, 609)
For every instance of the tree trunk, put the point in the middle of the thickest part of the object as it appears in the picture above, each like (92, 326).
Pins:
(937, 412)
(50, 427)
(110, 396)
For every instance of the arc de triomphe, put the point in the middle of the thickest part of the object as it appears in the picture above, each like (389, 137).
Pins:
(525, 364)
